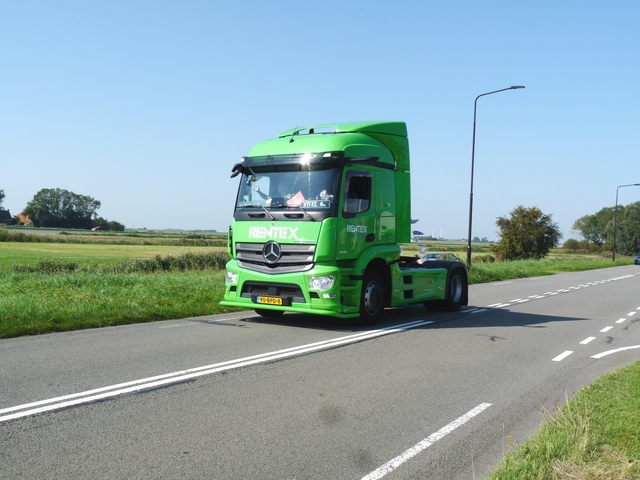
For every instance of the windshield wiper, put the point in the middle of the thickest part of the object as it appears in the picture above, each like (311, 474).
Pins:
(297, 206)
(268, 212)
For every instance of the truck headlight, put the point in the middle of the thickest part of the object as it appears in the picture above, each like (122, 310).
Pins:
(321, 283)
(232, 277)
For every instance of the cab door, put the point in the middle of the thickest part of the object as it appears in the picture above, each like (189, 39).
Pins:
(357, 216)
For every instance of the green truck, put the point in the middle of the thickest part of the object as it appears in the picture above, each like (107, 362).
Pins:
(319, 220)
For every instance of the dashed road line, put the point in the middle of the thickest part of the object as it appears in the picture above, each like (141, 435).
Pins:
(562, 356)
(518, 301)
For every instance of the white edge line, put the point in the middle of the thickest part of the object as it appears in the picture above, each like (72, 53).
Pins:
(604, 354)
(151, 382)
(394, 463)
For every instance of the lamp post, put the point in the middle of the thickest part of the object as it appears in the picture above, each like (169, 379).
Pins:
(473, 151)
(615, 215)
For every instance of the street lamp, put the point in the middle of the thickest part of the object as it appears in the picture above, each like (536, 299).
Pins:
(615, 215)
(473, 151)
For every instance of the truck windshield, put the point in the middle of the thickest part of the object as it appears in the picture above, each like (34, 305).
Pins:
(311, 187)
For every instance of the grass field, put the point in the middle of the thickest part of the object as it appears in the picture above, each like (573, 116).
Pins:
(47, 287)
(12, 253)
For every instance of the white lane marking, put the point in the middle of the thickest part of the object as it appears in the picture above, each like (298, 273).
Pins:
(604, 354)
(621, 320)
(587, 340)
(394, 463)
(562, 356)
(631, 314)
(499, 283)
(619, 278)
(605, 329)
(515, 300)
(474, 310)
(180, 376)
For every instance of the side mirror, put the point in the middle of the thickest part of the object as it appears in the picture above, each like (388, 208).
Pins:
(235, 171)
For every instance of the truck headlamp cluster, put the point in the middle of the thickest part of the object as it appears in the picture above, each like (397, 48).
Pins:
(232, 277)
(321, 283)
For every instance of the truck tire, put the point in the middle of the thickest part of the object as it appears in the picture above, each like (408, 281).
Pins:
(456, 286)
(371, 297)
(268, 313)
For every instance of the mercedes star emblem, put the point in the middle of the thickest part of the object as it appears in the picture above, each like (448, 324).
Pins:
(272, 252)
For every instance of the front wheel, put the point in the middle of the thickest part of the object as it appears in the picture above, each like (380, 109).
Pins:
(371, 298)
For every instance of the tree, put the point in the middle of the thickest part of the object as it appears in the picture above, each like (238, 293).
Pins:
(528, 233)
(60, 208)
(596, 228)
(628, 229)
(111, 225)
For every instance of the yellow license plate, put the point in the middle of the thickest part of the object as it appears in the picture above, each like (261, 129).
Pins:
(270, 300)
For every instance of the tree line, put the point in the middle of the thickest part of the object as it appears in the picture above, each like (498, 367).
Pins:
(60, 208)
(601, 228)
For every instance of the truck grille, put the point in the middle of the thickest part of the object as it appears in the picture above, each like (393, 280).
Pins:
(294, 258)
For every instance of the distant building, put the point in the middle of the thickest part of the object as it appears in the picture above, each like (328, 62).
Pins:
(5, 217)
(24, 219)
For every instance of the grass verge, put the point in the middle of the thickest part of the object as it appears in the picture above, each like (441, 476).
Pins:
(33, 303)
(594, 436)
(557, 263)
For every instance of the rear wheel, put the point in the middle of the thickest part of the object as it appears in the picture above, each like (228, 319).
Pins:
(456, 290)
(371, 297)
(268, 313)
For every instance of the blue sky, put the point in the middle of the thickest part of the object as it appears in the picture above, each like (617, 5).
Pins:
(146, 105)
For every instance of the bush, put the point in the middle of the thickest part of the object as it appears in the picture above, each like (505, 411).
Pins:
(190, 261)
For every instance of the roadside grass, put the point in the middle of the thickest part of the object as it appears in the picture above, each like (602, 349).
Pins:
(596, 435)
(34, 303)
(555, 263)
(48, 287)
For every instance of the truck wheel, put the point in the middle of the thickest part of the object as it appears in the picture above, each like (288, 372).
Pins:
(268, 313)
(456, 286)
(371, 298)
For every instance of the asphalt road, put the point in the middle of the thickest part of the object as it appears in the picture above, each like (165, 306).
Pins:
(428, 395)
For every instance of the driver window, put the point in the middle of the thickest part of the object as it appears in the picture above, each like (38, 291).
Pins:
(260, 190)
(357, 196)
